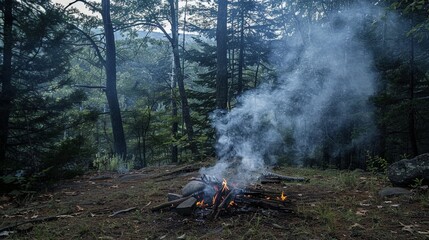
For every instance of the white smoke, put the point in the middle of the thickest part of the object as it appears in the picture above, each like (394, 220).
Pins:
(325, 88)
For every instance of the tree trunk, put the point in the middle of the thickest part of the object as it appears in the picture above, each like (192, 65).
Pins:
(411, 115)
(7, 93)
(241, 54)
(221, 53)
(255, 84)
(144, 147)
(180, 79)
(175, 124)
(119, 144)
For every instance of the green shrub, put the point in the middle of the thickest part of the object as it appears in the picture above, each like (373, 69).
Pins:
(376, 164)
(105, 162)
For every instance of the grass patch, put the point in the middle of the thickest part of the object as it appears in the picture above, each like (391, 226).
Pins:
(333, 205)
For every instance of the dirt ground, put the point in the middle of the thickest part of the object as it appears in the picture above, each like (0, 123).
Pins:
(333, 205)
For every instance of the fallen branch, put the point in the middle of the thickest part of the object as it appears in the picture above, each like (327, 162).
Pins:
(122, 211)
(43, 219)
(275, 176)
(187, 168)
(173, 203)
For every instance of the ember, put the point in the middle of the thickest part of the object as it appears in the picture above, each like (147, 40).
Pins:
(211, 197)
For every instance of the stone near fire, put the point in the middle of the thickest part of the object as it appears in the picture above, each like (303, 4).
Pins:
(192, 187)
(393, 191)
(406, 171)
(187, 207)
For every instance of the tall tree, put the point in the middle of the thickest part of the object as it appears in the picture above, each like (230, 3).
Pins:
(154, 14)
(120, 146)
(108, 61)
(7, 92)
(35, 109)
(178, 73)
(221, 54)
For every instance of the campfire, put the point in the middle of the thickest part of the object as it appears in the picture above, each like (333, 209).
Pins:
(209, 197)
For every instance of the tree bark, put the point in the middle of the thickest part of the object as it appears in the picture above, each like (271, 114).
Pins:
(221, 53)
(411, 115)
(120, 147)
(7, 93)
(175, 123)
(180, 78)
(241, 54)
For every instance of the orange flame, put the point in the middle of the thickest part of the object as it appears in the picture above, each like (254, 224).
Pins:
(202, 204)
(231, 204)
(224, 185)
(214, 199)
(283, 197)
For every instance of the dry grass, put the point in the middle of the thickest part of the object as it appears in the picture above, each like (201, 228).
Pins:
(334, 205)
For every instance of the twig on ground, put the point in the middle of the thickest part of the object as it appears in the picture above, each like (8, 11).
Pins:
(122, 211)
(42, 219)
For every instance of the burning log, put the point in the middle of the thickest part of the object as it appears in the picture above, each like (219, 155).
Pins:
(208, 197)
(227, 199)
(218, 197)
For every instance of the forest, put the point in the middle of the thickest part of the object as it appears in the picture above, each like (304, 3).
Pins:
(277, 119)
(129, 84)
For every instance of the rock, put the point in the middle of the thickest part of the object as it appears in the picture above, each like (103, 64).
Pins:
(186, 207)
(192, 187)
(404, 172)
(393, 191)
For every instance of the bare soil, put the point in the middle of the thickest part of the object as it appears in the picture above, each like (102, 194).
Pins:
(333, 205)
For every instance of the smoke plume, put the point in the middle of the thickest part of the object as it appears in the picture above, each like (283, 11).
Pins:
(326, 80)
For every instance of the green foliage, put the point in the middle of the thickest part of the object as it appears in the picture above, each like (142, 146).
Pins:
(113, 163)
(348, 180)
(68, 158)
(57, 127)
(418, 182)
(376, 164)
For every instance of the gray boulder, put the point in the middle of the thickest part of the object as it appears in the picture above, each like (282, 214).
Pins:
(393, 191)
(192, 187)
(404, 172)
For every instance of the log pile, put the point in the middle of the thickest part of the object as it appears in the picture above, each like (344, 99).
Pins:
(209, 198)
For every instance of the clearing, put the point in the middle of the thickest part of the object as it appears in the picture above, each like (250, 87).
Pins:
(333, 205)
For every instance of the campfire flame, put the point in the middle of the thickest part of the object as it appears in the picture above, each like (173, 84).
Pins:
(224, 196)
(283, 197)
(232, 204)
(225, 185)
(201, 204)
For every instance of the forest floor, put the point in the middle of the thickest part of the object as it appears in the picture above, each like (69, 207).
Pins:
(333, 205)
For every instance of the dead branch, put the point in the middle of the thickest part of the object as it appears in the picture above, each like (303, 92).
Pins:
(274, 176)
(225, 201)
(89, 86)
(173, 203)
(122, 211)
(36, 220)
(187, 168)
